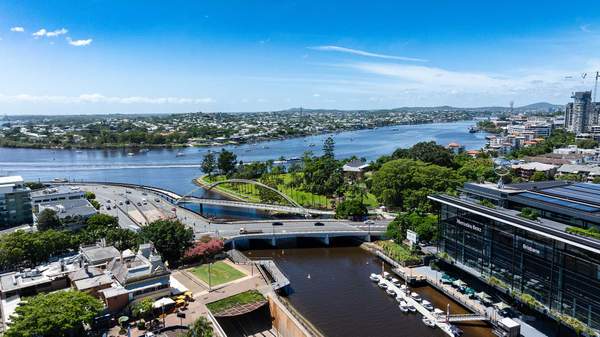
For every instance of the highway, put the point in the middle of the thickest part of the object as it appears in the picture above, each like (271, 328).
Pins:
(135, 207)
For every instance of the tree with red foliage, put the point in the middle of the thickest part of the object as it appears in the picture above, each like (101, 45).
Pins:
(203, 249)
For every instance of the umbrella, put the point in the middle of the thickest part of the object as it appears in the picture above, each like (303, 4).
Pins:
(123, 319)
(459, 283)
(501, 305)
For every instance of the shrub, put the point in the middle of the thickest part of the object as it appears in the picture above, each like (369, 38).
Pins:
(529, 213)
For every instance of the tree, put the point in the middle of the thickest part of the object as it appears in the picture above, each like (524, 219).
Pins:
(209, 164)
(27, 249)
(596, 180)
(425, 225)
(587, 143)
(170, 238)
(89, 195)
(329, 148)
(100, 220)
(538, 176)
(203, 249)
(200, 328)
(57, 314)
(102, 226)
(143, 308)
(351, 208)
(226, 162)
(48, 219)
(431, 152)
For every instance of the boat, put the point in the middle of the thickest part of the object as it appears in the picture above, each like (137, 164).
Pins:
(311, 145)
(456, 332)
(382, 285)
(144, 150)
(78, 151)
(427, 305)
(403, 306)
(411, 308)
(180, 154)
(386, 275)
(428, 322)
(473, 129)
(131, 154)
(375, 278)
(403, 287)
(438, 312)
(415, 296)
(391, 292)
(396, 282)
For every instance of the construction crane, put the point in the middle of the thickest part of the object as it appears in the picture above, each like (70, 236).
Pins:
(596, 85)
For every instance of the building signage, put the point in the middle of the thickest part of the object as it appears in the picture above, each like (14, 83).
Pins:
(469, 225)
(412, 237)
(531, 249)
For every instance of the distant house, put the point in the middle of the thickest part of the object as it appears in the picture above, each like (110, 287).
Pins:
(355, 168)
(455, 148)
(73, 212)
(587, 172)
(526, 170)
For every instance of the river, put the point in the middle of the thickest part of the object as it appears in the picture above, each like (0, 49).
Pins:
(163, 168)
(341, 301)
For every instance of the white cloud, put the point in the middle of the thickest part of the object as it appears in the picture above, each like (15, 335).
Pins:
(57, 32)
(316, 95)
(43, 32)
(585, 28)
(366, 53)
(79, 43)
(99, 98)
(17, 29)
(40, 33)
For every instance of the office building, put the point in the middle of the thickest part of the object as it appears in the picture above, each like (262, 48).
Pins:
(15, 202)
(582, 113)
(541, 257)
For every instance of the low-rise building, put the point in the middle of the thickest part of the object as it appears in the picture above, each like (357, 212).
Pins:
(586, 172)
(56, 193)
(526, 170)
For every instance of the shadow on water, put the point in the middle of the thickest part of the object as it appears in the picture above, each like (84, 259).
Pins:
(331, 288)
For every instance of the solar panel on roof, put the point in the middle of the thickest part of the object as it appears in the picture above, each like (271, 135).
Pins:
(583, 189)
(559, 202)
(581, 196)
(589, 186)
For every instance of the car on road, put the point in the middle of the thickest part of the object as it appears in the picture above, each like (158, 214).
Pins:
(126, 202)
(128, 192)
(139, 203)
(174, 209)
(108, 201)
(369, 222)
(277, 223)
(144, 193)
(120, 203)
(108, 207)
(156, 199)
(319, 224)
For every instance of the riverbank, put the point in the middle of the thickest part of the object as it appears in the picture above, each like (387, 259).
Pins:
(6, 143)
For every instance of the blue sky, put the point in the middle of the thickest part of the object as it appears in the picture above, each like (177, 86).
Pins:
(79, 57)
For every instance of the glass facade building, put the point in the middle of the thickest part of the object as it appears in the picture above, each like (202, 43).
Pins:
(539, 258)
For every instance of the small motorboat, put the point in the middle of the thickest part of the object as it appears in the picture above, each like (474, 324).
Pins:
(399, 299)
(387, 276)
(428, 322)
(415, 296)
(456, 331)
(130, 154)
(391, 292)
(180, 154)
(411, 308)
(427, 305)
(403, 306)
(396, 282)
(438, 312)
(382, 285)
(403, 287)
(375, 278)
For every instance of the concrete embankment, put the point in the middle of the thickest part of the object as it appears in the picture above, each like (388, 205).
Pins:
(289, 322)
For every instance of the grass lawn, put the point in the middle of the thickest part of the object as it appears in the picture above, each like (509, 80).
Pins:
(250, 193)
(220, 272)
(250, 296)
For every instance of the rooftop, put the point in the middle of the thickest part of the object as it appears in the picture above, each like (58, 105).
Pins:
(11, 180)
(97, 254)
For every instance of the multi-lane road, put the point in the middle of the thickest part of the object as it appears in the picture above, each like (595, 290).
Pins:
(135, 207)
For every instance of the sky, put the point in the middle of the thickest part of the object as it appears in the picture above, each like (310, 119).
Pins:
(93, 56)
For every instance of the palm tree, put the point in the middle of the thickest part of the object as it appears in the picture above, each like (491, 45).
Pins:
(200, 328)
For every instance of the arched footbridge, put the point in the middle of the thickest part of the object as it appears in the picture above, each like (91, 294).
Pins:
(292, 207)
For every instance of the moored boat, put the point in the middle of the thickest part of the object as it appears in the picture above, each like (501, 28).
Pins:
(415, 296)
(375, 278)
(382, 285)
(411, 308)
(427, 305)
(403, 306)
(428, 322)
(391, 292)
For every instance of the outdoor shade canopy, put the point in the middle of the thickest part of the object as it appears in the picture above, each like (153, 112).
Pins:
(163, 302)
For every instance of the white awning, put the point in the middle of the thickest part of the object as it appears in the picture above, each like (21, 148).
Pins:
(163, 302)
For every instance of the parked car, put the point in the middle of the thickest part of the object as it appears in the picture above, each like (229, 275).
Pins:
(277, 223)
(369, 222)
(126, 202)
(319, 224)
(156, 199)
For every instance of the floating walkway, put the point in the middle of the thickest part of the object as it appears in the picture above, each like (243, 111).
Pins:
(440, 321)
